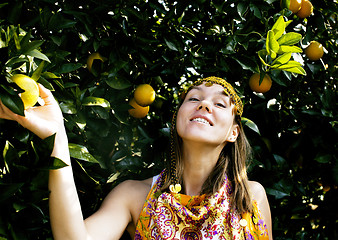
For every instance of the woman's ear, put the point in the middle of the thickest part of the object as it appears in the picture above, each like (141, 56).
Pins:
(234, 133)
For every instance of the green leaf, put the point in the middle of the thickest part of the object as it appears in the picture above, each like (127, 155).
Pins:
(249, 123)
(113, 177)
(289, 64)
(276, 193)
(290, 38)
(37, 54)
(171, 45)
(272, 45)
(37, 73)
(298, 70)
(286, 49)
(262, 55)
(256, 10)
(280, 189)
(242, 8)
(16, 60)
(30, 46)
(282, 59)
(280, 160)
(96, 101)
(279, 27)
(49, 75)
(69, 67)
(81, 152)
(117, 82)
(17, 41)
(247, 63)
(325, 158)
(45, 83)
(57, 40)
(9, 154)
(54, 163)
(13, 102)
(68, 107)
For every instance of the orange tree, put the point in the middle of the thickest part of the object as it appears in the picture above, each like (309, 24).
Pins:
(292, 127)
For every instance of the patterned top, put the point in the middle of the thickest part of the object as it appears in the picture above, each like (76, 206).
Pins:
(177, 216)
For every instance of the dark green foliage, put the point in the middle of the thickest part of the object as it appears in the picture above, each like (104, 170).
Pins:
(162, 42)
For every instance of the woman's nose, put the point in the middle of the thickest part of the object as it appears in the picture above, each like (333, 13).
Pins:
(204, 105)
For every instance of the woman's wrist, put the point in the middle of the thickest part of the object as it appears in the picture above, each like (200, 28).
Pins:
(61, 149)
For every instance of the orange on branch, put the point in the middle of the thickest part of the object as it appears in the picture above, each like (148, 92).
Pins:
(260, 88)
(93, 57)
(306, 9)
(294, 5)
(31, 90)
(314, 51)
(137, 111)
(144, 95)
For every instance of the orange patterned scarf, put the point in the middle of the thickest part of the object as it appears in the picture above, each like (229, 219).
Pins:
(177, 216)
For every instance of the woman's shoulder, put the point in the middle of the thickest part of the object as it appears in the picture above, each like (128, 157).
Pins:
(136, 187)
(257, 190)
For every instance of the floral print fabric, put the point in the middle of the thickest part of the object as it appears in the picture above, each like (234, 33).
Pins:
(177, 216)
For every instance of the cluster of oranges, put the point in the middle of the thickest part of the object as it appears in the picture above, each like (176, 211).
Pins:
(144, 95)
(302, 8)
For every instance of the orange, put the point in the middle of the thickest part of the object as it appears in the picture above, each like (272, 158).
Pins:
(137, 111)
(314, 51)
(294, 5)
(31, 90)
(260, 88)
(144, 95)
(306, 9)
(91, 59)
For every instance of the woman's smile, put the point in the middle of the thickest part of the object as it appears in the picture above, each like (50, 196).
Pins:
(203, 120)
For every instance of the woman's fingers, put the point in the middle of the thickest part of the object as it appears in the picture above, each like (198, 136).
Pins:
(46, 95)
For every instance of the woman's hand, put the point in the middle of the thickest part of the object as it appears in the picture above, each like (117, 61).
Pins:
(42, 120)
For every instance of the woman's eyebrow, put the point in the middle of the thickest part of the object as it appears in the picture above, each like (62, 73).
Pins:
(195, 87)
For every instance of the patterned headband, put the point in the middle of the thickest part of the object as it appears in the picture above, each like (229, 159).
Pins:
(228, 89)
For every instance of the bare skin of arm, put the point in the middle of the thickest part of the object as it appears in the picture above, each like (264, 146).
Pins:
(258, 193)
(120, 209)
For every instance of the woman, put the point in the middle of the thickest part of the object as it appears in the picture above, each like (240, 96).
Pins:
(205, 194)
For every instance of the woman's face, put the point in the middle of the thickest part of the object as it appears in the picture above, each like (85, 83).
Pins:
(206, 115)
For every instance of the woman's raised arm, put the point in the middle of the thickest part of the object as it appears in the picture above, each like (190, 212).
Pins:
(65, 209)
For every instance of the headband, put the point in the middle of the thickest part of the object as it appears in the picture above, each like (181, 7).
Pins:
(228, 89)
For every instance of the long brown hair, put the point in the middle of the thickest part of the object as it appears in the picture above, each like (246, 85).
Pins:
(232, 162)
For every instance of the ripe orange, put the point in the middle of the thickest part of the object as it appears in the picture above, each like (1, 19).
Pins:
(306, 9)
(91, 59)
(137, 111)
(260, 88)
(294, 5)
(31, 90)
(144, 95)
(314, 51)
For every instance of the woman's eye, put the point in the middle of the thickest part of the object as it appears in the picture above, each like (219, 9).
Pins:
(220, 105)
(193, 99)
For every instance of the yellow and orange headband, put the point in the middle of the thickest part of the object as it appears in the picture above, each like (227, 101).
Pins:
(228, 89)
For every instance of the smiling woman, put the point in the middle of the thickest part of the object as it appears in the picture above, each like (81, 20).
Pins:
(203, 194)
(209, 153)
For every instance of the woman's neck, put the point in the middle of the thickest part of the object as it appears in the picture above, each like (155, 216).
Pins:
(199, 160)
